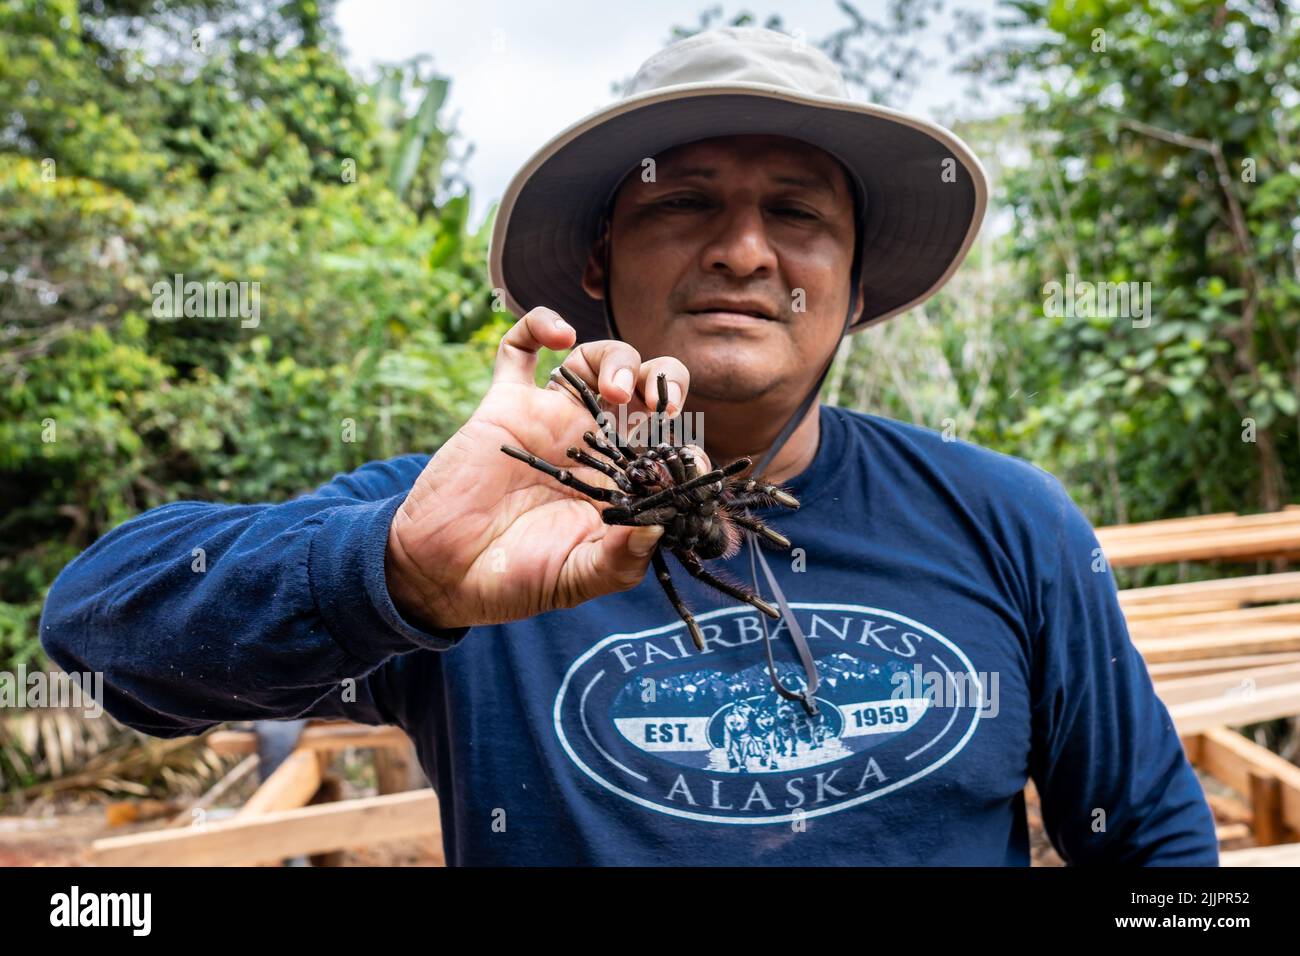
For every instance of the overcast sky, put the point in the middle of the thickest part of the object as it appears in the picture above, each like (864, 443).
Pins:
(522, 70)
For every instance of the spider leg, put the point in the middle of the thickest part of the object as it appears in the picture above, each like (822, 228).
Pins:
(605, 448)
(751, 501)
(666, 579)
(593, 406)
(563, 475)
(752, 486)
(753, 524)
(674, 462)
(692, 466)
(623, 516)
(659, 497)
(661, 427)
(592, 461)
(692, 564)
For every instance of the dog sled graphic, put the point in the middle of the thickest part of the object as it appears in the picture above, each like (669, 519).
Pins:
(765, 734)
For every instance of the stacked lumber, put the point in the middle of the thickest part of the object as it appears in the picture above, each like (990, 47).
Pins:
(1225, 653)
(1216, 537)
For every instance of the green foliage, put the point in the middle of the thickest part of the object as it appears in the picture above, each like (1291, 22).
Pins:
(227, 143)
(1164, 151)
(125, 162)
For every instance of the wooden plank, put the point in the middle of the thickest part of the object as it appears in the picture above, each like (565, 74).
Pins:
(1266, 802)
(1248, 640)
(292, 784)
(398, 770)
(274, 836)
(1246, 544)
(1287, 854)
(1186, 527)
(1137, 613)
(1230, 758)
(1248, 589)
(335, 736)
(219, 790)
(1198, 715)
(1229, 809)
(1225, 832)
(1216, 520)
(1215, 620)
(1226, 684)
(1173, 670)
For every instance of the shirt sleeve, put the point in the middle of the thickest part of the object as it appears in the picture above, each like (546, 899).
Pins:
(197, 613)
(1115, 784)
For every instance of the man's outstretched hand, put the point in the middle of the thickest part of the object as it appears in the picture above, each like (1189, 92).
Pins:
(483, 538)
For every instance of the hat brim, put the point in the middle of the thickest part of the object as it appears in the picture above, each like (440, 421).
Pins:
(925, 191)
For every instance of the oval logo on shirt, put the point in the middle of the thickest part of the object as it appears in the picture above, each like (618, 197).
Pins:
(703, 735)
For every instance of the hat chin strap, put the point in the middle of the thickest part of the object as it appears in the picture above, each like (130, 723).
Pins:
(812, 678)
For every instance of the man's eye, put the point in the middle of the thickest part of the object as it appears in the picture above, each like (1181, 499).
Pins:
(683, 202)
(794, 212)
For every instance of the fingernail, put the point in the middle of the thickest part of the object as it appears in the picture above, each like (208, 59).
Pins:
(674, 395)
(624, 380)
(643, 540)
(561, 324)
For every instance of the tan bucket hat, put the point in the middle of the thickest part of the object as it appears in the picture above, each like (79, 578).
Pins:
(922, 192)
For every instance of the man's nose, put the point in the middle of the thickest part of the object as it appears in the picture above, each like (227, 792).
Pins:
(740, 244)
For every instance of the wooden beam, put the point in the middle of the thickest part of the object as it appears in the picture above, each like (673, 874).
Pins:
(274, 836)
(219, 790)
(1224, 832)
(292, 784)
(1287, 854)
(1140, 613)
(1173, 670)
(1197, 715)
(336, 736)
(1226, 684)
(1261, 639)
(1214, 621)
(1243, 544)
(1217, 520)
(1229, 809)
(1198, 524)
(1231, 759)
(1266, 802)
(397, 770)
(1248, 589)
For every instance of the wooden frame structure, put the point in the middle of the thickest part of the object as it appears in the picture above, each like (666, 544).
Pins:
(276, 822)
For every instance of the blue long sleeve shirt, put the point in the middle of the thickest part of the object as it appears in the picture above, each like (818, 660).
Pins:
(962, 620)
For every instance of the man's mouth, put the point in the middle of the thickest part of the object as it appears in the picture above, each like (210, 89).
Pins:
(737, 310)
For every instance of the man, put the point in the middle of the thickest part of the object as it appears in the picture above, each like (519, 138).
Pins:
(948, 628)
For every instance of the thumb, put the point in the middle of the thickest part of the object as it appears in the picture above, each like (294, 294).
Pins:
(626, 556)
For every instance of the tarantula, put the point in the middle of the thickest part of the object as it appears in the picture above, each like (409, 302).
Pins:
(701, 514)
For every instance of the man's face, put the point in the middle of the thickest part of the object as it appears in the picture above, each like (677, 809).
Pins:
(733, 225)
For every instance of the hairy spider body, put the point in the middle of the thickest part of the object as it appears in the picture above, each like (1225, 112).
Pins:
(703, 514)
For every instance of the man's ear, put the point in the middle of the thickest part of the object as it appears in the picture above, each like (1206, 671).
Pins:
(593, 275)
(861, 305)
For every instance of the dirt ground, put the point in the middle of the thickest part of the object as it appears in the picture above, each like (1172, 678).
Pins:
(59, 833)
(64, 838)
